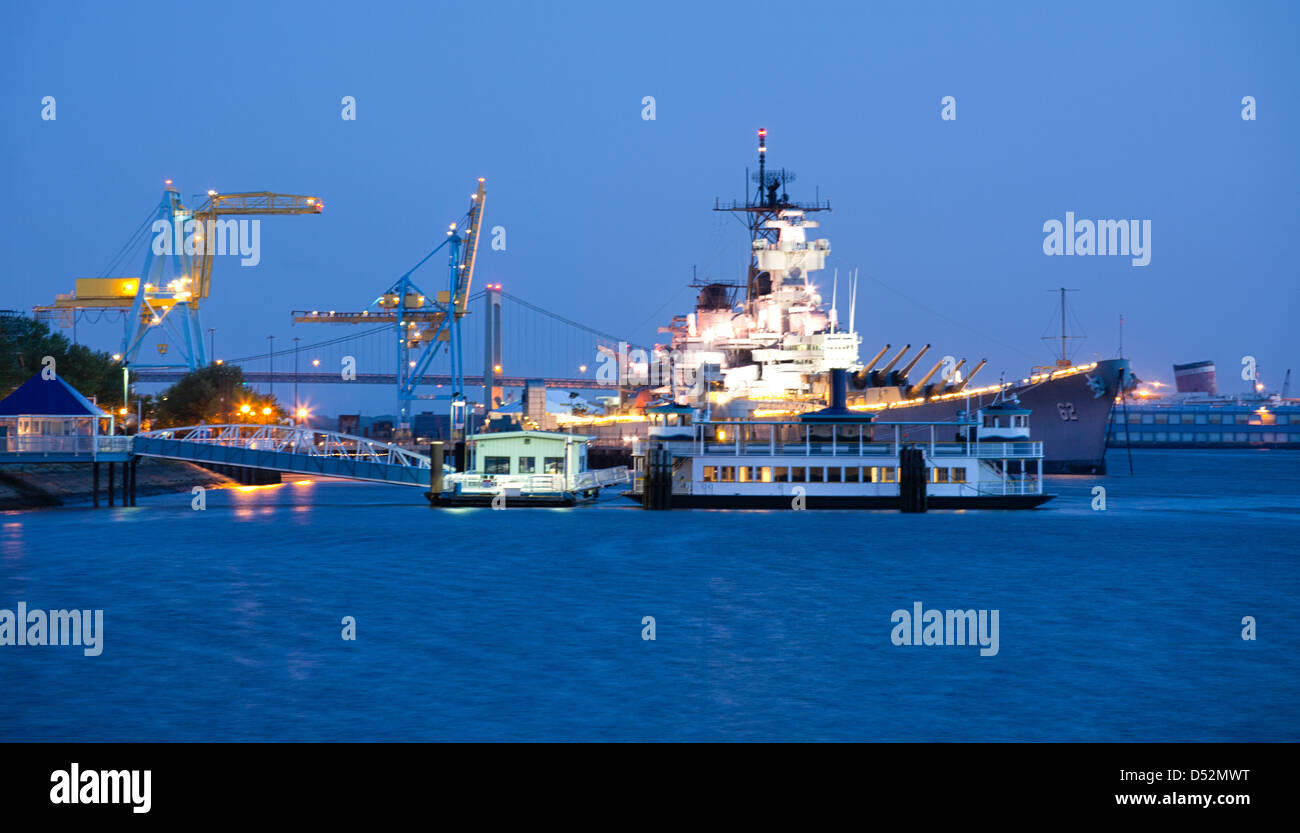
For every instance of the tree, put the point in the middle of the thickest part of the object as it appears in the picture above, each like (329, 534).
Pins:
(24, 344)
(214, 394)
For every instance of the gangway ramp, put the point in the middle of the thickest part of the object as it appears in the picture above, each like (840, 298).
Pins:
(297, 450)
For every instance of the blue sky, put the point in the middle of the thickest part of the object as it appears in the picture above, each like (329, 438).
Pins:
(1109, 110)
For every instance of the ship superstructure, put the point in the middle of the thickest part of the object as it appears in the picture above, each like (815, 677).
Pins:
(764, 348)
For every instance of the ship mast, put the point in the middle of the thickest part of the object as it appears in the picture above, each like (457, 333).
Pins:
(766, 202)
(1064, 360)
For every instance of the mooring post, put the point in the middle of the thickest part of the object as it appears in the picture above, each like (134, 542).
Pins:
(435, 468)
(110, 484)
(94, 483)
(126, 482)
(135, 462)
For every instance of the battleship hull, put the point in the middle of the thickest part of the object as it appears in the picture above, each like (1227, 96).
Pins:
(1069, 413)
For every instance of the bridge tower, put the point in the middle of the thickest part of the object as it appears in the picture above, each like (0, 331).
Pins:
(492, 391)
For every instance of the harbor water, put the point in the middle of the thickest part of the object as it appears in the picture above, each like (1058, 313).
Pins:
(1122, 623)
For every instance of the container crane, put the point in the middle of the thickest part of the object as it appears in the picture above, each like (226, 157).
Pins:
(425, 321)
(189, 240)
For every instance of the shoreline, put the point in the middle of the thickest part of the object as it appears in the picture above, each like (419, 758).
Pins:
(51, 485)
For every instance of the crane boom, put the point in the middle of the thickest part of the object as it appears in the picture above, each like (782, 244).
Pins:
(249, 203)
(469, 249)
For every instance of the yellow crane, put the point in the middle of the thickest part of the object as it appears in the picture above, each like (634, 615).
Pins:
(191, 240)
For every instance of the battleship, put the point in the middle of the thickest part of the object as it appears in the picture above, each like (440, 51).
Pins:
(764, 348)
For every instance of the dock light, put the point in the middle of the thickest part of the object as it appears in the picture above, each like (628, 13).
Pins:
(266, 412)
(122, 412)
(243, 409)
(302, 413)
(315, 362)
(582, 368)
(221, 361)
(167, 182)
(117, 357)
(212, 193)
(496, 368)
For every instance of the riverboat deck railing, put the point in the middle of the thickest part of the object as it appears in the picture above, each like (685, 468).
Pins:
(742, 439)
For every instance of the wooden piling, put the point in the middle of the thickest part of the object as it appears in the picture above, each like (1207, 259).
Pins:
(913, 480)
(435, 468)
(94, 484)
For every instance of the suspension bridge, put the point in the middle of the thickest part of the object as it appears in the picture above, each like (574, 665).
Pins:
(521, 343)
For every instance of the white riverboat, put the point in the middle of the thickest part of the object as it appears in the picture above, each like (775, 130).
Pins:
(841, 459)
(524, 468)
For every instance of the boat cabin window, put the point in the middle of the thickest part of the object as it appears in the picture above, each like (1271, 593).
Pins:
(527, 465)
(1020, 421)
(496, 465)
(553, 465)
(990, 422)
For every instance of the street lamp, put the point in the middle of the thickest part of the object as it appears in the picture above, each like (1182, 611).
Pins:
(296, 339)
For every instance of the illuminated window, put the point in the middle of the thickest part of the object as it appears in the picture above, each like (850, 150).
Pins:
(553, 465)
(743, 474)
(728, 474)
(710, 474)
(765, 474)
(527, 465)
(959, 475)
(496, 465)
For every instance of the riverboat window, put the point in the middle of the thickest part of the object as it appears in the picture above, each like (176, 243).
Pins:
(728, 474)
(765, 474)
(496, 465)
(814, 474)
(710, 474)
(796, 474)
(1162, 419)
(1134, 417)
(743, 474)
(782, 474)
(1021, 421)
(527, 465)
(959, 474)
(833, 474)
(884, 474)
(1216, 419)
(851, 474)
(553, 465)
(938, 474)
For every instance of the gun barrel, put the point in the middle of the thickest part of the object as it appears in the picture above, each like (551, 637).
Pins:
(894, 360)
(867, 367)
(919, 386)
(971, 375)
(908, 369)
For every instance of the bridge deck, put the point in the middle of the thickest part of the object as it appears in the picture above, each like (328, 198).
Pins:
(286, 449)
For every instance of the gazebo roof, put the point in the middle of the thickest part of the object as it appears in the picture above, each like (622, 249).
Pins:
(48, 397)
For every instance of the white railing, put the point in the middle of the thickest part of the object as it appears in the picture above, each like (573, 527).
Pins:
(852, 448)
(71, 444)
(294, 440)
(473, 482)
